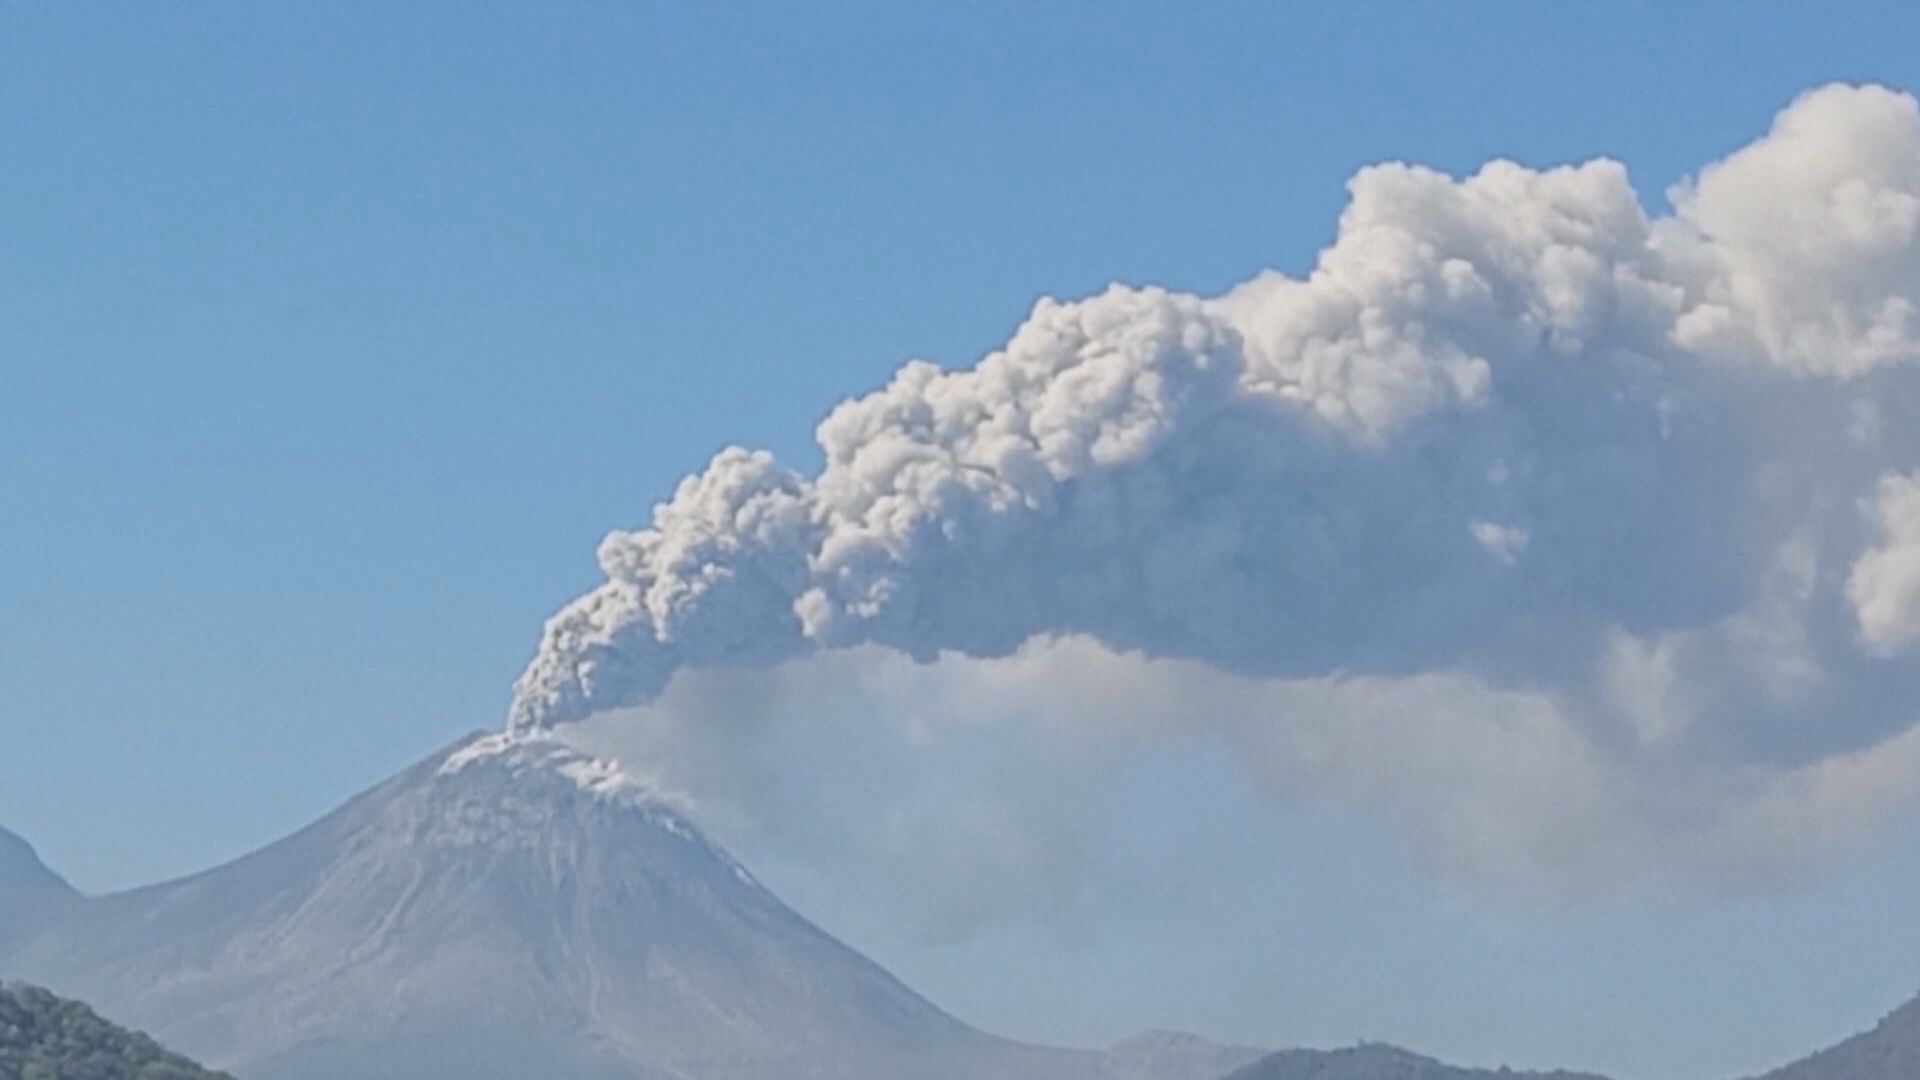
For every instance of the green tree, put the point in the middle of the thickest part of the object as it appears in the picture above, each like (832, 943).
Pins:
(45, 1037)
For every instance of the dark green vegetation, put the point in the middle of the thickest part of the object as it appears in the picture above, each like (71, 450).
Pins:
(43, 1037)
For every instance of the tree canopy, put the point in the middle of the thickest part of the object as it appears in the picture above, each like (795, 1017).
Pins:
(45, 1037)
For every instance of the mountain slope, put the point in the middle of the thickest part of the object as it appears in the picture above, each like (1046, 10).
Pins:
(506, 909)
(30, 894)
(1174, 1055)
(1891, 1051)
(46, 1036)
(1373, 1061)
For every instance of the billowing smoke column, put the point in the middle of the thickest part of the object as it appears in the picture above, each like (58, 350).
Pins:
(1505, 421)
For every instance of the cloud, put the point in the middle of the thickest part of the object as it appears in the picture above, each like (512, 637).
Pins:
(1537, 513)
(973, 792)
(1885, 583)
(1801, 248)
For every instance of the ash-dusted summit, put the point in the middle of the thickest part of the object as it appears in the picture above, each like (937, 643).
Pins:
(509, 909)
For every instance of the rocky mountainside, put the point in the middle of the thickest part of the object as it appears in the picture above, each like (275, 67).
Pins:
(1891, 1051)
(1373, 1061)
(43, 1037)
(511, 908)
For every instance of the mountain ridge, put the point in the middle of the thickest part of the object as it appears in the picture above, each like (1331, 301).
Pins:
(510, 907)
(31, 893)
(1380, 1061)
(1890, 1050)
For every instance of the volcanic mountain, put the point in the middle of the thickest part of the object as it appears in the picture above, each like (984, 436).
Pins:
(511, 908)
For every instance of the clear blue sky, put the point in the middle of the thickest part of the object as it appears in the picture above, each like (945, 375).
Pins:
(333, 337)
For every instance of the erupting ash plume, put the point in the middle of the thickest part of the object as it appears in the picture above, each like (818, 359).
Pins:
(1658, 469)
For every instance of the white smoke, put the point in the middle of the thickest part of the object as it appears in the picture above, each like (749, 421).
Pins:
(1644, 483)
(1885, 584)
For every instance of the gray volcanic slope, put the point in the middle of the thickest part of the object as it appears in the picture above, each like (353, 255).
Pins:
(513, 909)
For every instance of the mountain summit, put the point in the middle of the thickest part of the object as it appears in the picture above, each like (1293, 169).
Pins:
(510, 908)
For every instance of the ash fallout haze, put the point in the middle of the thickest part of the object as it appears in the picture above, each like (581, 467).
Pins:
(1303, 525)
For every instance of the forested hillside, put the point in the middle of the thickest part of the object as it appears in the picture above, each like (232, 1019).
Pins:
(44, 1037)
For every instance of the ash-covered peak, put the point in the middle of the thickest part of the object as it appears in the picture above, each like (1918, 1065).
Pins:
(520, 789)
(534, 758)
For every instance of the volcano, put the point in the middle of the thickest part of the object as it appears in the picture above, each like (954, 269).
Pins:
(512, 908)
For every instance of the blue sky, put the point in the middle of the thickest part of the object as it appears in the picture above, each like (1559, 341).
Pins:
(333, 339)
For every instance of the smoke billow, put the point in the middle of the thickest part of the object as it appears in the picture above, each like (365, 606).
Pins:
(1644, 483)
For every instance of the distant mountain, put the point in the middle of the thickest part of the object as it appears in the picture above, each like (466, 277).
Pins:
(1891, 1051)
(511, 909)
(1174, 1055)
(30, 894)
(43, 1037)
(1373, 1061)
